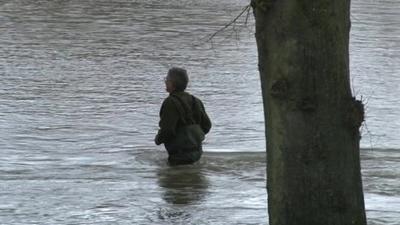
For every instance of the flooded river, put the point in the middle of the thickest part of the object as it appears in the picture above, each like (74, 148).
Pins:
(81, 86)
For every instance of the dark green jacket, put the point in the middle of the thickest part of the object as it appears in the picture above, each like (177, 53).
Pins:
(171, 116)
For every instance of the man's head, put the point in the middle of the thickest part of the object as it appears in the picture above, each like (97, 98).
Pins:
(176, 80)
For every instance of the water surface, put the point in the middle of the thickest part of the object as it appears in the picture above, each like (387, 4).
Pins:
(81, 86)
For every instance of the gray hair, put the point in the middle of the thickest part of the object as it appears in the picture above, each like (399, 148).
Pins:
(179, 78)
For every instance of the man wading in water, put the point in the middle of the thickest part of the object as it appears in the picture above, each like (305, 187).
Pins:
(183, 121)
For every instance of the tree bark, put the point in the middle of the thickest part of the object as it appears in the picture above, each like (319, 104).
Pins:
(312, 120)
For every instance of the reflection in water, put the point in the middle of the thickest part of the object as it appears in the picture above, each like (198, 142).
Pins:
(183, 184)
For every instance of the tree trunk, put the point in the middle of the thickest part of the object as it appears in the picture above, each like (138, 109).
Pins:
(312, 120)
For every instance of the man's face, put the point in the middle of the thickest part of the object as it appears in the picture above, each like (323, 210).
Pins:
(169, 86)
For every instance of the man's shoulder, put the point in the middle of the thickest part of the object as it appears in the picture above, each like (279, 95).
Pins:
(176, 98)
(168, 103)
(197, 99)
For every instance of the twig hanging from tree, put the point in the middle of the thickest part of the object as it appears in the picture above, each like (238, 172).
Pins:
(245, 9)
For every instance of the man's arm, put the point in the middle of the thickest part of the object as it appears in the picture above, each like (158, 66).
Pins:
(169, 117)
(205, 120)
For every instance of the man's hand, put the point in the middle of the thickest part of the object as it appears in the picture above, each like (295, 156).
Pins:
(157, 140)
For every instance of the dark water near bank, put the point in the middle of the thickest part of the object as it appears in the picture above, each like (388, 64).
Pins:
(81, 85)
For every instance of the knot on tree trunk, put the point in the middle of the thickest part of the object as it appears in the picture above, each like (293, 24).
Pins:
(279, 88)
(356, 114)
